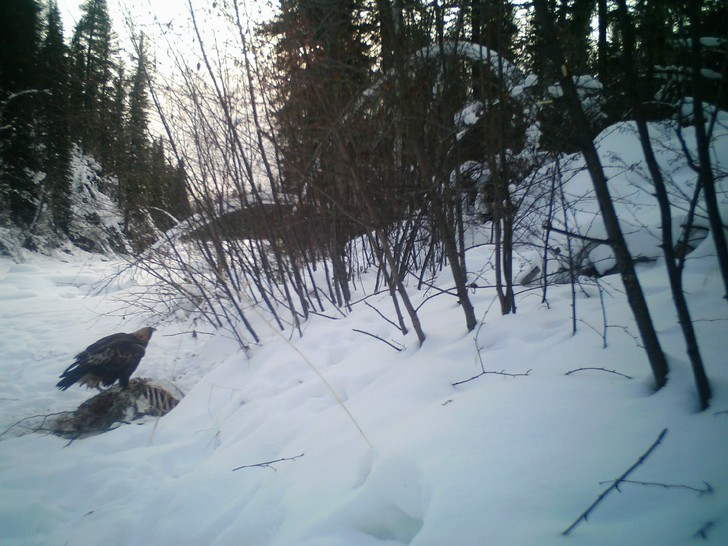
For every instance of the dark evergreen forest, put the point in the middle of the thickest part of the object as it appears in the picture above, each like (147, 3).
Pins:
(59, 92)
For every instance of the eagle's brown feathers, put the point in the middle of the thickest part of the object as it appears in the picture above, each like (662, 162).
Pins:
(110, 359)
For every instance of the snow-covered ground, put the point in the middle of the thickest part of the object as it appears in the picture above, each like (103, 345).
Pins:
(496, 460)
(337, 439)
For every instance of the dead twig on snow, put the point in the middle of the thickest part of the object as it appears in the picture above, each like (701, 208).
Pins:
(601, 370)
(269, 464)
(502, 372)
(615, 485)
(707, 490)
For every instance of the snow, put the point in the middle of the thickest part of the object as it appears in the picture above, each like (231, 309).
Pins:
(686, 112)
(631, 190)
(378, 446)
(469, 115)
(96, 221)
(476, 53)
(530, 81)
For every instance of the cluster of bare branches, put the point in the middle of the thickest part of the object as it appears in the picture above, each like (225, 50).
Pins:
(674, 259)
(374, 177)
(311, 160)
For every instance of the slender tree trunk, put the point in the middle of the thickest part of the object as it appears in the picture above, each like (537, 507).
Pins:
(584, 138)
(602, 40)
(390, 283)
(397, 282)
(498, 235)
(552, 196)
(668, 249)
(476, 17)
(508, 258)
(569, 248)
(705, 169)
(505, 197)
(456, 266)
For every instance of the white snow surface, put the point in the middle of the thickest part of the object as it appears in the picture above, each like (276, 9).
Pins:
(396, 454)
(497, 460)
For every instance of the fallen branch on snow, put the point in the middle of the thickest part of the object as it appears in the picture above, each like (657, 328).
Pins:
(549, 226)
(708, 489)
(615, 485)
(269, 464)
(598, 369)
(502, 372)
(35, 427)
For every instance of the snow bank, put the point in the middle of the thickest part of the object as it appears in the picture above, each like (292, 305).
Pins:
(632, 195)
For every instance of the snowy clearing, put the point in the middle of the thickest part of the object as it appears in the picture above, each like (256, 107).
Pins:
(503, 436)
(496, 460)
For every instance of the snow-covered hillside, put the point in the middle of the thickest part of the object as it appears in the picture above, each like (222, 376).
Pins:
(96, 223)
(336, 438)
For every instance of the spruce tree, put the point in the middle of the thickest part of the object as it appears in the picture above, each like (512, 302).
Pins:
(138, 128)
(19, 43)
(117, 117)
(315, 42)
(135, 192)
(168, 199)
(177, 197)
(55, 131)
(92, 80)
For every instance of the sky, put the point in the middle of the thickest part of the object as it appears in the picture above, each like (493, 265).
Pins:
(167, 27)
(143, 13)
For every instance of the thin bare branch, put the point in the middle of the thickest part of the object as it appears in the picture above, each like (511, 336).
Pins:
(392, 345)
(615, 484)
(269, 464)
(598, 369)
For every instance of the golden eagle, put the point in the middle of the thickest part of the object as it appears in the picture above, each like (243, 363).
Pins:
(111, 358)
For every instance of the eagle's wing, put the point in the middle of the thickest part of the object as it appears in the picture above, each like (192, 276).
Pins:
(118, 356)
(112, 358)
(99, 347)
(101, 344)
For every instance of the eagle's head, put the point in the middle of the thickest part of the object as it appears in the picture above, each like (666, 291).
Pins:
(144, 334)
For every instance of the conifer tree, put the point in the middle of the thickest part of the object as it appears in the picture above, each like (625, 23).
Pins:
(55, 130)
(92, 80)
(117, 117)
(178, 200)
(168, 199)
(135, 190)
(319, 41)
(139, 108)
(316, 41)
(19, 43)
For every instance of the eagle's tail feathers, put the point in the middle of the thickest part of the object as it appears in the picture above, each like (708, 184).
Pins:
(70, 377)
